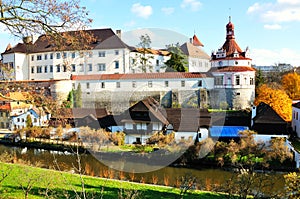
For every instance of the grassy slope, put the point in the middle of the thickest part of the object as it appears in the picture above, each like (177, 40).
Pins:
(65, 185)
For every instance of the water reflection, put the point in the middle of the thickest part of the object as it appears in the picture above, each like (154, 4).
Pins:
(170, 176)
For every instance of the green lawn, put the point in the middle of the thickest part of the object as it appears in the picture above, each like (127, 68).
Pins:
(43, 183)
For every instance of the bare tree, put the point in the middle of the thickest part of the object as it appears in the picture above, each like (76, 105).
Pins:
(27, 17)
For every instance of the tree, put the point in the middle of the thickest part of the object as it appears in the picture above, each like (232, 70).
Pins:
(77, 97)
(291, 84)
(24, 18)
(28, 121)
(178, 60)
(143, 55)
(259, 79)
(277, 99)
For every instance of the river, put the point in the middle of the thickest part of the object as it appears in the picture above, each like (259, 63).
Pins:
(207, 178)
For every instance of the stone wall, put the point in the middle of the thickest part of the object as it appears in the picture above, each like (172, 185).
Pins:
(231, 98)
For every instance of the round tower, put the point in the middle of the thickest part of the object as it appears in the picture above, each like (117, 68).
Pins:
(233, 74)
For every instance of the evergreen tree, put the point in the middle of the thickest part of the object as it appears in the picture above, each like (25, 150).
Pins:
(77, 97)
(178, 60)
(28, 121)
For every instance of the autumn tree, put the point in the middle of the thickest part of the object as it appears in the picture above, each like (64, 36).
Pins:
(277, 99)
(23, 18)
(291, 84)
(178, 61)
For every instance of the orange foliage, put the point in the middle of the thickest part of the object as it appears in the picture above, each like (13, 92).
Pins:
(277, 99)
(291, 84)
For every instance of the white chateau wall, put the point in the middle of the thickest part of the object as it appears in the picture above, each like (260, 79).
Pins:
(296, 120)
(20, 62)
(132, 85)
(198, 65)
(111, 61)
(227, 62)
(156, 61)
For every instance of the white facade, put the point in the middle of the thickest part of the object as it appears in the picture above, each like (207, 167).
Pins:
(133, 83)
(231, 62)
(18, 62)
(198, 64)
(296, 119)
(155, 62)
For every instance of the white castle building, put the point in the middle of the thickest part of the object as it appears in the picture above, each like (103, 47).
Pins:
(108, 72)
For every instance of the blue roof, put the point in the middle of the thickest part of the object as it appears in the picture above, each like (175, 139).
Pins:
(226, 131)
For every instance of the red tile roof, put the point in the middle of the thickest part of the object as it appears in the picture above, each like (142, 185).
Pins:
(196, 41)
(132, 76)
(234, 69)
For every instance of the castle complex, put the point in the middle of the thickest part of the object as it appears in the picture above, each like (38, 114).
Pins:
(110, 77)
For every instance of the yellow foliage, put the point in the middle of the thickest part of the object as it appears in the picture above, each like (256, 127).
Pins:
(291, 84)
(276, 99)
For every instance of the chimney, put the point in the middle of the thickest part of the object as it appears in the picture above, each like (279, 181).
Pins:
(119, 33)
(27, 39)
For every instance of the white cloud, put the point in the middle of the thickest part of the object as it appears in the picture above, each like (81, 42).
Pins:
(278, 12)
(272, 26)
(168, 11)
(193, 5)
(141, 11)
(266, 57)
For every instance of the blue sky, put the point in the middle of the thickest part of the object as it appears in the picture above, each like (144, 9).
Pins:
(270, 28)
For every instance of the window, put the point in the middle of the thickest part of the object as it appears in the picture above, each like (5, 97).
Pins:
(51, 55)
(134, 84)
(64, 68)
(65, 55)
(157, 62)
(219, 80)
(58, 55)
(90, 54)
(87, 85)
(32, 57)
(73, 66)
(128, 126)
(118, 84)
(116, 52)
(39, 57)
(116, 64)
(141, 126)
(101, 67)
(81, 68)
(58, 68)
(101, 54)
(182, 83)
(51, 69)
(166, 83)
(90, 66)
(18, 119)
(39, 69)
(32, 69)
(251, 81)
(200, 83)
(73, 55)
(237, 80)
(150, 84)
(102, 84)
(45, 69)
(45, 56)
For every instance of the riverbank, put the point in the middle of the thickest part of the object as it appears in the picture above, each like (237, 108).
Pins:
(150, 158)
(44, 183)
